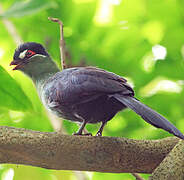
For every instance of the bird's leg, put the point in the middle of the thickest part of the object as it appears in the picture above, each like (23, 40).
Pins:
(79, 132)
(99, 133)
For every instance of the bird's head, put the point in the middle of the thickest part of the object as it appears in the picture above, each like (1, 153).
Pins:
(32, 59)
(25, 52)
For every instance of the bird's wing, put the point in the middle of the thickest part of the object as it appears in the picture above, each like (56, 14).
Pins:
(95, 80)
(84, 84)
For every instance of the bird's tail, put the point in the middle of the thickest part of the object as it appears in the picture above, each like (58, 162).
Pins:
(148, 114)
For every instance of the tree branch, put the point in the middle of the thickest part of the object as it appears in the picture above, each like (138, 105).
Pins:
(61, 41)
(64, 152)
(172, 167)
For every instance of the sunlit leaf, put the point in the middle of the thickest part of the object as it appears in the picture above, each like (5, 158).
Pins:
(153, 31)
(19, 9)
(11, 95)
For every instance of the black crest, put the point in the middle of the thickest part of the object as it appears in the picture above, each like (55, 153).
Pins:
(35, 47)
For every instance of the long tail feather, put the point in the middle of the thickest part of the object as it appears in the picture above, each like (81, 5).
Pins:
(148, 114)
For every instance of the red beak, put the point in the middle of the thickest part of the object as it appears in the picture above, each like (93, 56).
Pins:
(17, 63)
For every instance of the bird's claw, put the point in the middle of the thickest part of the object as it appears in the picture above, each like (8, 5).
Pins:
(98, 134)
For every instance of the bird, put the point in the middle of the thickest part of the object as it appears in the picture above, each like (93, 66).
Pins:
(82, 94)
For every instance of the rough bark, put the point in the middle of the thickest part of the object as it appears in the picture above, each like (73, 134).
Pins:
(64, 152)
(172, 167)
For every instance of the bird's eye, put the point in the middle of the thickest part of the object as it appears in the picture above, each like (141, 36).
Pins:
(30, 53)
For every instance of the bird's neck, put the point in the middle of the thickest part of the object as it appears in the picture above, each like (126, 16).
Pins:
(40, 70)
(40, 78)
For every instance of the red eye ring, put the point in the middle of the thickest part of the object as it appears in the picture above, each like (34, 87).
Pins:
(30, 53)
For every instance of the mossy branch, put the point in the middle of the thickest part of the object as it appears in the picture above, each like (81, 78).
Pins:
(64, 152)
(172, 167)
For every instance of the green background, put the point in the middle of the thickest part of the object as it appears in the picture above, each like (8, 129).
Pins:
(119, 36)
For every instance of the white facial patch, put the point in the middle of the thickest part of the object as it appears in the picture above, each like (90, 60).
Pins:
(22, 54)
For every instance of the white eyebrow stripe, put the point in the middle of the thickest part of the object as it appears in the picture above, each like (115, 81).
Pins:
(22, 54)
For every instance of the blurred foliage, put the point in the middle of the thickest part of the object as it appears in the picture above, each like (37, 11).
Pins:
(8, 98)
(140, 40)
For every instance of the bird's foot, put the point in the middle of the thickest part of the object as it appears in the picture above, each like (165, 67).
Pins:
(99, 133)
(80, 134)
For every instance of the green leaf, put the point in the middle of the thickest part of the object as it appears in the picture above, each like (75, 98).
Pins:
(19, 9)
(11, 95)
